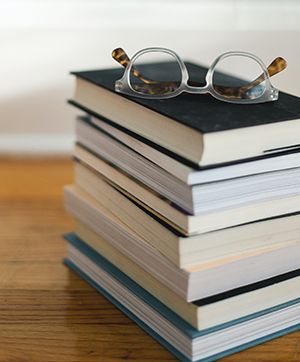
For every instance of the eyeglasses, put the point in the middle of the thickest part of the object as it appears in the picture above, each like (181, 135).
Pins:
(159, 73)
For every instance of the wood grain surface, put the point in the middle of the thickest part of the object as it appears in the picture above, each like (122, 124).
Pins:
(47, 312)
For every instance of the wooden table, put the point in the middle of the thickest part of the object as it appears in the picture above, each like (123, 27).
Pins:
(47, 312)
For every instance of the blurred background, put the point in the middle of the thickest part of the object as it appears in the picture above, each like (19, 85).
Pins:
(42, 41)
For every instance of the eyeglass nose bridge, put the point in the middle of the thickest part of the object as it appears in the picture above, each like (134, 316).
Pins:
(198, 89)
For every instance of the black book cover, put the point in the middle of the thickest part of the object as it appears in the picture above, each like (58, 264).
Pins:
(203, 112)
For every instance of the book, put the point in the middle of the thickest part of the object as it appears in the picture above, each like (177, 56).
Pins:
(199, 130)
(190, 175)
(206, 312)
(171, 212)
(188, 250)
(190, 283)
(195, 199)
(184, 341)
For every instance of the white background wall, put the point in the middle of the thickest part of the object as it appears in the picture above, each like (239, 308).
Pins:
(41, 41)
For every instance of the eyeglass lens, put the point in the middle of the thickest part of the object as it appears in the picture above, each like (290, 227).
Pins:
(239, 77)
(155, 73)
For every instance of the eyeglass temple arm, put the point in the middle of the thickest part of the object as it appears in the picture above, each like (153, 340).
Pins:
(121, 57)
(275, 67)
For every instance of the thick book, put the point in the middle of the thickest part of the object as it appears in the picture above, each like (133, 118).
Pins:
(189, 250)
(198, 199)
(206, 312)
(184, 341)
(170, 212)
(198, 129)
(190, 283)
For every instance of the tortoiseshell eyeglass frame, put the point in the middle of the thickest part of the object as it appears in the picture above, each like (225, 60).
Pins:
(231, 94)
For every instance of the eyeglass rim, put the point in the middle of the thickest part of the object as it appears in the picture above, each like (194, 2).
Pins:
(123, 84)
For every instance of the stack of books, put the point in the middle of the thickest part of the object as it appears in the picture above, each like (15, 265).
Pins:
(187, 214)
